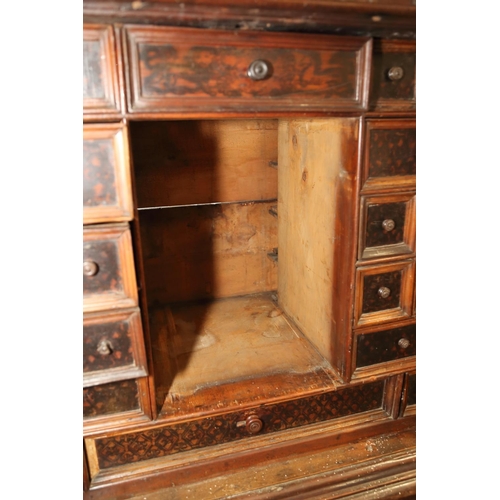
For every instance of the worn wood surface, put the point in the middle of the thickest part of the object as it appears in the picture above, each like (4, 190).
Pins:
(204, 161)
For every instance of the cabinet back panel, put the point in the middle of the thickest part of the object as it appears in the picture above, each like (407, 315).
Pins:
(193, 162)
(209, 251)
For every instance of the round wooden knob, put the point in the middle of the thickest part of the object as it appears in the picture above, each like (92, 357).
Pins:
(258, 70)
(104, 348)
(395, 73)
(388, 224)
(90, 268)
(384, 292)
(403, 343)
(253, 424)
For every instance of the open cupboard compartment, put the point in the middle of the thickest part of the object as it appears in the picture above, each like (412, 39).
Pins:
(240, 221)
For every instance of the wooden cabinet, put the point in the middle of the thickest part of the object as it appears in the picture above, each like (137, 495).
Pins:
(249, 245)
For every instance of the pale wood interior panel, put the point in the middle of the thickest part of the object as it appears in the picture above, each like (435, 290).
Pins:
(311, 153)
(210, 251)
(204, 161)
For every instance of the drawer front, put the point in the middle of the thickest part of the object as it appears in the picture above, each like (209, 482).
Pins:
(111, 399)
(172, 439)
(107, 194)
(113, 347)
(387, 226)
(100, 79)
(390, 159)
(386, 345)
(393, 75)
(174, 69)
(108, 268)
(384, 293)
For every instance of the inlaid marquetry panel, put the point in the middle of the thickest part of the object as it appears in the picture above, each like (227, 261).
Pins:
(109, 399)
(168, 440)
(173, 69)
(107, 194)
(100, 77)
(383, 293)
(108, 268)
(113, 347)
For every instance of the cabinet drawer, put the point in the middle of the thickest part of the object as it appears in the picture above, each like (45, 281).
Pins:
(390, 159)
(113, 347)
(387, 226)
(100, 78)
(386, 345)
(174, 69)
(108, 268)
(107, 194)
(383, 293)
(393, 75)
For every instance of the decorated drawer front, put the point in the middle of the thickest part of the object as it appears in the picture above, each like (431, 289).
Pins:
(108, 268)
(100, 79)
(107, 194)
(386, 345)
(172, 439)
(173, 69)
(383, 293)
(113, 347)
(387, 226)
(393, 75)
(111, 399)
(390, 158)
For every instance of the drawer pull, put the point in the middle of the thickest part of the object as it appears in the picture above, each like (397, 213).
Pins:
(403, 343)
(395, 73)
(388, 224)
(258, 70)
(104, 348)
(384, 292)
(90, 268)
(253, 424)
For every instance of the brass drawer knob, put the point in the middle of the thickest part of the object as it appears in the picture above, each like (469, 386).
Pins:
(384, 292)
(104, 348)
(388, 224)
(395, 73)
(90, 268)
(258, 70)
(403, 343)
(253, 424)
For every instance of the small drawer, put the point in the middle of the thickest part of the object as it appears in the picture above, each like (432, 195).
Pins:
(383, 293)
(107, 193)
(113, 347)
(387, 226)
(100, 78)
(182, 69)
(391, 154)
(386, 345)
(393, 75)
(108, 268)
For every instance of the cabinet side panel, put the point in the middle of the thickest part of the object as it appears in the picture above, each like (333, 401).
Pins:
(312, 161)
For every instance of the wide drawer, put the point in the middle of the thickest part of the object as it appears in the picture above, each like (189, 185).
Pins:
(175, 69)
(108, 268)
(107, 194)
(386, 345)
(113, 347)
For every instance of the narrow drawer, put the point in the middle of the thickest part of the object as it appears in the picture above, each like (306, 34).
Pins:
(174, 69)
(390, 159)
(387, 226)
(100, 77)
(383, 293)
(108, 268)
(113, 347)
(386, 345)
(393, 75)
(167, 440)
(107, 193)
